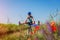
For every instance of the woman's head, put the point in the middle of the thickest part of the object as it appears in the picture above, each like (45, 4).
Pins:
(29, 13)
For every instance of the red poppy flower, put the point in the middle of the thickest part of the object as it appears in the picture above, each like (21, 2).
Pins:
(54, 28)
(52, 23)
(37, 27)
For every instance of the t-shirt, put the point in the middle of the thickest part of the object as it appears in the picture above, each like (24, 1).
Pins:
(29, 19)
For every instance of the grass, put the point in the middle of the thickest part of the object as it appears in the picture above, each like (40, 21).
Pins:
(19, 32)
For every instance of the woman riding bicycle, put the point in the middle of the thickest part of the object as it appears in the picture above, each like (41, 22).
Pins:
(29, 21)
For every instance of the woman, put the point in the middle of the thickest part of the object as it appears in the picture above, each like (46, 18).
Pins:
(29, 21)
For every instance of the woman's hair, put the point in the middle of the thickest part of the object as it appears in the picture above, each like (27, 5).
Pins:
(29, 13)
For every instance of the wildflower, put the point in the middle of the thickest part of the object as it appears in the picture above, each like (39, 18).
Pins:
(48, 26)
(36, 29)
(53, 26)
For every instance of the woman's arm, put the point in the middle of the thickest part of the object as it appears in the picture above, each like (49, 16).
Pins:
(26, 20)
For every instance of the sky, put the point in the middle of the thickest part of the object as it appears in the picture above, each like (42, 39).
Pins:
(17, 10)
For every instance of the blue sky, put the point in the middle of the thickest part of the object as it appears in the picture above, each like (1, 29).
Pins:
(16, 10)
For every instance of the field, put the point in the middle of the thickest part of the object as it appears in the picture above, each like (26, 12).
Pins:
(20, 32)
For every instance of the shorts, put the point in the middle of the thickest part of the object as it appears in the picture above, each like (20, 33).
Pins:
(29, 23)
